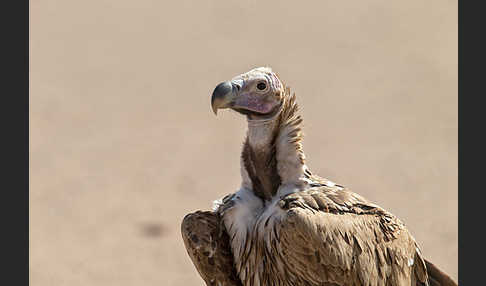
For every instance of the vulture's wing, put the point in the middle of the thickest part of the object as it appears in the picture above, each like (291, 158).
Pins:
(207, 244)
(437, 277)
(336, 236)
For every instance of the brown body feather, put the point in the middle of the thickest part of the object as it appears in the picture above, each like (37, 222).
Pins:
(353, 242)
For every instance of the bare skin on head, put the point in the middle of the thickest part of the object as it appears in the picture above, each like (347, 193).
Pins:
(257, 94)
(287, 226)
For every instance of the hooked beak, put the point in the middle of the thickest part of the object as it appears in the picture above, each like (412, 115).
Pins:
(222, 96)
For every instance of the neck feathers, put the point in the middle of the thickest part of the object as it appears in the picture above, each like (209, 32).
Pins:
(272, 153)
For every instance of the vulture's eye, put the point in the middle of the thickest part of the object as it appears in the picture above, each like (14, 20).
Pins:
(261, 86)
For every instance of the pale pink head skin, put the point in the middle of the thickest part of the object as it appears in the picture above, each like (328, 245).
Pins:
(257, 93)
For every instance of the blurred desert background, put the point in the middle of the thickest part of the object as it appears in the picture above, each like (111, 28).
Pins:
(123, 142)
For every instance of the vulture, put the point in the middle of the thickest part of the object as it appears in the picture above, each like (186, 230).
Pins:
(287, 226)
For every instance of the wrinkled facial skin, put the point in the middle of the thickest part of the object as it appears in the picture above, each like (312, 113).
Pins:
(257, 94)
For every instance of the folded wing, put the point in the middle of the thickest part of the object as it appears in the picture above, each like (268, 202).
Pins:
(337, 237)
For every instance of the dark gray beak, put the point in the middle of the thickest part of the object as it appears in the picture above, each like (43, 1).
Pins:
(222, 96)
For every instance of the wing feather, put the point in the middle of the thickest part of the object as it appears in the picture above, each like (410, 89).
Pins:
(338, 237)
(207, 244)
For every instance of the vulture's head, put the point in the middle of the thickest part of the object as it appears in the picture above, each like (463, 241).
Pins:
(257, 94)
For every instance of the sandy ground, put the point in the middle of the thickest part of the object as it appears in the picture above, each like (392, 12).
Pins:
(123, 142)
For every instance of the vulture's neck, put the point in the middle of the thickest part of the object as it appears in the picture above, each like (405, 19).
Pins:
(272, 153)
